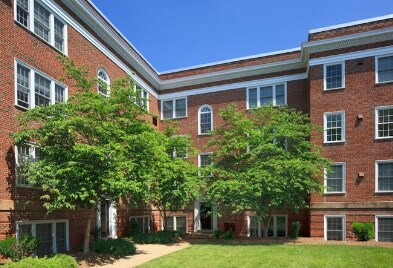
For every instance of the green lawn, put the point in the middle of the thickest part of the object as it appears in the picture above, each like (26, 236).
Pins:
(204, 255)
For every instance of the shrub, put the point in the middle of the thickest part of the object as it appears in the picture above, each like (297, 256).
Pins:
(228, 234)
(161, 237)
(58, 261)
(217, 233)
(295, 227)
(119, 247)
(364, 231)
(17, 250)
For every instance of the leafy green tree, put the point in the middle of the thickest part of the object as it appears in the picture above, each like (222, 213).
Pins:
(264, 161)
(90, 145)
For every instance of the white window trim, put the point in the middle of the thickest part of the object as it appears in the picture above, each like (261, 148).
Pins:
(342, 113)
(274, 94)
(53, 222)
(107, 83)
(376, 121)
(343, 164)
(32, 73)
(174, 108)
(143, 217)
(342, 63)
(377, 223)
(274, 223)
(199, 157)
(376, 68)
(199, 119)
(175, 221)
(376, 175)
(52, 16)
(147, 99)
(17, 164)
(344, 222)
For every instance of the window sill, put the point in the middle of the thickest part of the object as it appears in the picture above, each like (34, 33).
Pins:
(332, 89)
(384, 192)
(383, 138)
(204, 134)
(334, 142)
(172, 118)
(21, 107)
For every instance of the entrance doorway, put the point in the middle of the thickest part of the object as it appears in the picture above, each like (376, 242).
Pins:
(104, 219)
(206, 217)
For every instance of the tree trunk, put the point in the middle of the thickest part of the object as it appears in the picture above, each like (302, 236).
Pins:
(86, 240)
(265, 225)
(165, 223)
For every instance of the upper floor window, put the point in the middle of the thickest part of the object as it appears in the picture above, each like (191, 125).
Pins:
(103, 82)
(42, 21)
(384, 70)
(334, 127)
(142, 97)
(23, 156)
(205, 119)
(335, 178)
(384, 122)
(174, 108)
(334, 75)
(33, 88)
(384, 176)
(266, 95)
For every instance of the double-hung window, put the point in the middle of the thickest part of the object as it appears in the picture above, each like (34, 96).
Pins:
(43, 22)
(177, 223)
(384, 228)
(175, 108)
(140, 224)
(142, 97)
(334, 76)
(384, 176)
(205, 119)
(334, 227)
(33, 88)
(24, 155)
(384, 69)
(335, 178)
(103, 82)
(266, 95)
(334, 127)
(384, 122)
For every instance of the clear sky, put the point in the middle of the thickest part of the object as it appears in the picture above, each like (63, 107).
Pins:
(173, 34)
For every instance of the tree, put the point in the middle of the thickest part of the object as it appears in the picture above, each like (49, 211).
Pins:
(89, 145)
(264, 161)
(174, 181)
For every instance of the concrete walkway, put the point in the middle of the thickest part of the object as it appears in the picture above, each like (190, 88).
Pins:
(145, 253)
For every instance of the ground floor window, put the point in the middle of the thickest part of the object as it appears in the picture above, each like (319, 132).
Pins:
(384, 228)
(140, 224)
(177, 223)
(53, 235)
(335, 228)
(278, 226)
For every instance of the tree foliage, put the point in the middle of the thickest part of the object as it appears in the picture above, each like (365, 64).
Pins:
(264, 161)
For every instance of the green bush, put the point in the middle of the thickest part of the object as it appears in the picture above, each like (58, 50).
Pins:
(58, 261)
(17, 250)
(217, 233)
(295, 227)
(364, 231)
(228, 234)
(161, 237)
(119, 247)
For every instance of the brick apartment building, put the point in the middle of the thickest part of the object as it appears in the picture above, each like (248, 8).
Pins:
(342, 76)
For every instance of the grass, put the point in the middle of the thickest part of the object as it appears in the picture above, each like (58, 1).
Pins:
(205, 255)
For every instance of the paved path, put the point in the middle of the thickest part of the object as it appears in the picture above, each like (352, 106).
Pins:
(145, 253)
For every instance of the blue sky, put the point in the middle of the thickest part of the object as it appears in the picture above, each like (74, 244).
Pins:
(173, 34)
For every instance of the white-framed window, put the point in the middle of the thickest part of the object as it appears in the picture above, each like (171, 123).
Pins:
(34, 88)
(52, 234)
(143, 97)
(384, 122)
(24, 155)
(104, 82)
(335, 179)
(140, 224)
(334, 127)
(384, 69)
(175, 108)
(275, 95)
(205, 159)
(384, 176)
(334, 227)
(278, 226)
(205, 119)
(181, 151)
(43, 22)
(334, 75)
(177, 223)
(384, 228)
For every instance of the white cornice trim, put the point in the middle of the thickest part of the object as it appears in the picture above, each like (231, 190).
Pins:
(348, 24)
(65, 16)
(351, 56)
(253, 83)
(231, 60)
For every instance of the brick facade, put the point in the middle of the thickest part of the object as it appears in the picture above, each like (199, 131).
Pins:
(302, 70)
